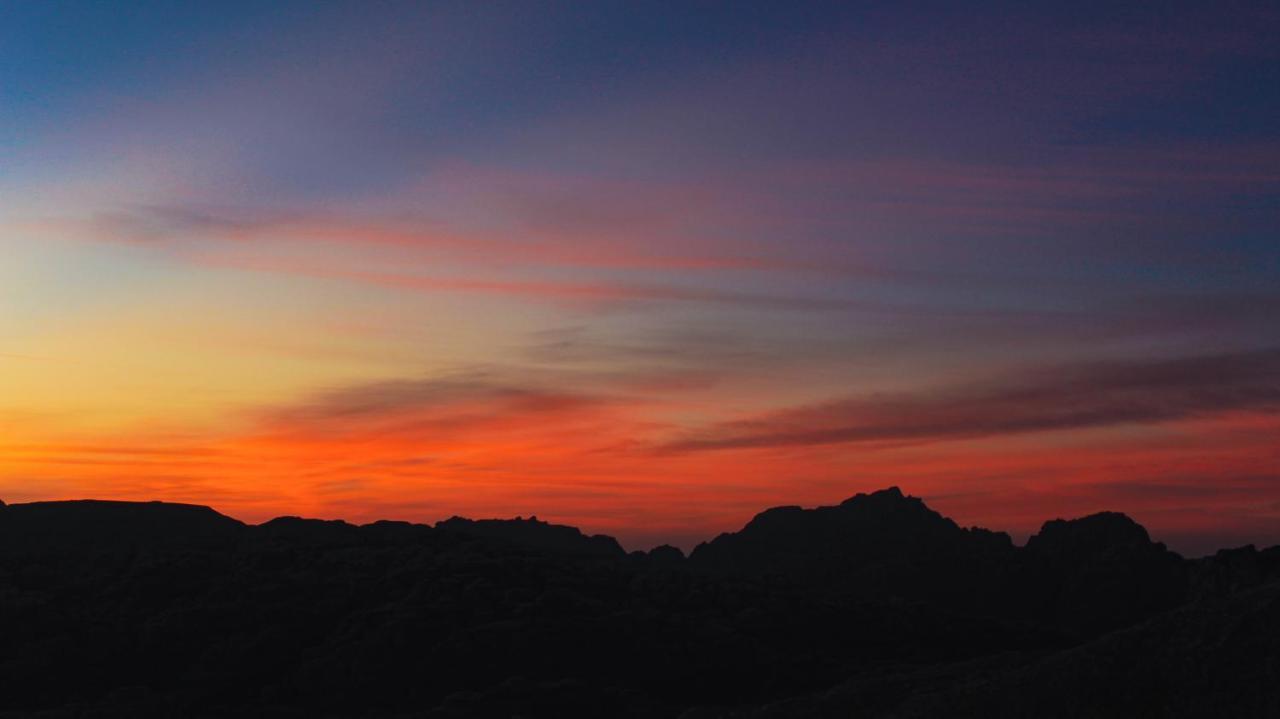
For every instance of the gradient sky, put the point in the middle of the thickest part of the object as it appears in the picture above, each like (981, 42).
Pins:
(645, 268)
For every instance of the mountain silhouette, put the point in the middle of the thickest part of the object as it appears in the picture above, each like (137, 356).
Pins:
(97, 525)
(878, 545)
(860, 532)
(1101, 572)
(875, 607)
(538, 535)
(1075, 576)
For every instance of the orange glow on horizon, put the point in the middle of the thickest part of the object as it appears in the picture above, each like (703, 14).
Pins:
(593, 465)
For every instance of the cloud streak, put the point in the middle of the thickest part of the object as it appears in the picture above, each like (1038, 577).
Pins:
(1099, 394)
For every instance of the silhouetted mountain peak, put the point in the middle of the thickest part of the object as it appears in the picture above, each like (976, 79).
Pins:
(308, 531)
(536, 534)
(1095, 534)
(887, 495)
(895, 511)
(101, 524)
(1101, 572)
(885, 514)
(836, 544)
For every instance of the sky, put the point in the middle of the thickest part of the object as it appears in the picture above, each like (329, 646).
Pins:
(645, 268)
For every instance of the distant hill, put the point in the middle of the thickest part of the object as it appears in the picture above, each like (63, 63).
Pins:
(876, 607)
(1077, 576)
(535, 534)
(97, 525)
(827, 543)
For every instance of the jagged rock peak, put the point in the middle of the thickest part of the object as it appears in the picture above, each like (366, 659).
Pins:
(889, 494)
(1094, 533)
(890, 500)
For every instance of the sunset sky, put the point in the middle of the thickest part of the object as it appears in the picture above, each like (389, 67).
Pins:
(645, 268)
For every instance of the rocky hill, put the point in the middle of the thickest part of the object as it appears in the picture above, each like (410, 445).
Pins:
(878, 606)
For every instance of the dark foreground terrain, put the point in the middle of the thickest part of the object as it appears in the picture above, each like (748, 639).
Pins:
(878, 607)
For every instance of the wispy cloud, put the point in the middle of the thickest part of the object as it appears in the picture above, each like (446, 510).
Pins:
(1090, 395)
(452, 404)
